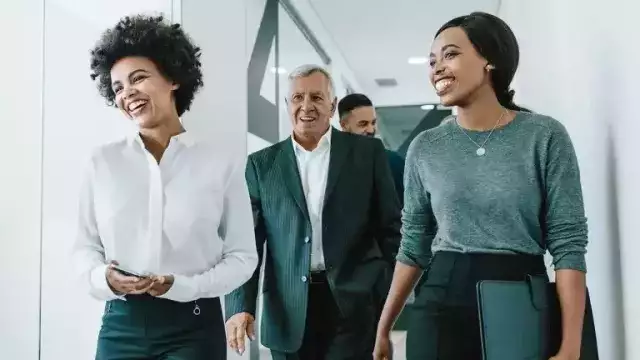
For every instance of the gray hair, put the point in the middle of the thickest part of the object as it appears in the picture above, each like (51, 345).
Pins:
(309, 69)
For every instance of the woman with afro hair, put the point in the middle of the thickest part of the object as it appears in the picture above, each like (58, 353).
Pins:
(165, 217)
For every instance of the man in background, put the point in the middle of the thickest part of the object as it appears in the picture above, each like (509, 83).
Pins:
(358, 116)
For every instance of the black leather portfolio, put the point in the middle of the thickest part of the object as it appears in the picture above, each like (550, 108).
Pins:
(521, 320)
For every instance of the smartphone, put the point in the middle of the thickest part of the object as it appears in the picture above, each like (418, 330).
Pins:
(127, 272)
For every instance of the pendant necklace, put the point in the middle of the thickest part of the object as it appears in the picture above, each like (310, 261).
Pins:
(481, 149)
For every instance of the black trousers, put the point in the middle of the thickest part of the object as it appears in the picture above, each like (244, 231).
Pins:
(149, 328)
(329, 335)
(444, 322)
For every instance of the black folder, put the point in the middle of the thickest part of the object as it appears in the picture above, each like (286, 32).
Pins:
(522, 320)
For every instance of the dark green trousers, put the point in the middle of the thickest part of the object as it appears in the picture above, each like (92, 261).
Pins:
(148, 328)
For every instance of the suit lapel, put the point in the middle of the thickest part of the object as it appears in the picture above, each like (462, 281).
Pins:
(291, 175)
(340, 148)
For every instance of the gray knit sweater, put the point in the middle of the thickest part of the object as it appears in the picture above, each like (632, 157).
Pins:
(523, 196)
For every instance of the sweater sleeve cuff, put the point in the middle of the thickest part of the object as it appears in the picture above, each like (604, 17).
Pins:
(182, 290)
(571, 261)
(403, 258)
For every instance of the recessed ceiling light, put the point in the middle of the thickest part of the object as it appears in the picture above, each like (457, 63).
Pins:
(386, 82)
(279, 70)
(417, 60)
(427, 107)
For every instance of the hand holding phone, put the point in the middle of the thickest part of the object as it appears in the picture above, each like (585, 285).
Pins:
(127, 272)
(123, 281)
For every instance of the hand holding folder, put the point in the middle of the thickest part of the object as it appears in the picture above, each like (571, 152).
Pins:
(521, 320)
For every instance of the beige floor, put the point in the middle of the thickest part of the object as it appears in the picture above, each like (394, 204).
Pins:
(397, 337)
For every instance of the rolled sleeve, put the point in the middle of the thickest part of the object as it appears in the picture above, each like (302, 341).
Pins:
(418, 222)
(565, 223)
(408, 259)
(417, 236)
(572, 261)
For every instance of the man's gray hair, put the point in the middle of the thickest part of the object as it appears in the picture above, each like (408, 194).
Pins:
(308, 70)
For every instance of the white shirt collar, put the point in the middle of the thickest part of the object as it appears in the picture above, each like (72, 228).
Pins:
(186, 138)
(325, 141)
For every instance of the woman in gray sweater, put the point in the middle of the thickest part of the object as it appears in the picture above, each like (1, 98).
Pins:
(487, 193)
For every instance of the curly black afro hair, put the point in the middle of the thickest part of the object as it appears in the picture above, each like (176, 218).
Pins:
(172, 51)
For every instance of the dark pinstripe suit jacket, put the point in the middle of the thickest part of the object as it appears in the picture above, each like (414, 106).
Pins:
(361, 235)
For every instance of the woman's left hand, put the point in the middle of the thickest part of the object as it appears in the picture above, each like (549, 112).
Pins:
(161, 284)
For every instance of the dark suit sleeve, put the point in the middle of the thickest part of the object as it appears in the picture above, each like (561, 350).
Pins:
(244, 298)
(387, 205)
(398, 176)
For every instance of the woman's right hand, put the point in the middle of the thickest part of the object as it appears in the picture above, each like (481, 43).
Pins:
(122, 285)
(404, 279)
(382, 349)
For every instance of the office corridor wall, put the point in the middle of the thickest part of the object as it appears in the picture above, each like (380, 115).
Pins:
(576, 67)
(21, 27)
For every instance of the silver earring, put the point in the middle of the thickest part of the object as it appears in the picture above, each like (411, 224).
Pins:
(489, 67)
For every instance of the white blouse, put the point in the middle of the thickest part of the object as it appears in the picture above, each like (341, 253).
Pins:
(188, 216)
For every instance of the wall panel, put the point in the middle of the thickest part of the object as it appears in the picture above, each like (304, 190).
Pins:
(21, 31)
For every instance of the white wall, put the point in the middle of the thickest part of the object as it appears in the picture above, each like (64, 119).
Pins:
(570, 69)
(20, 109)
(618, 80)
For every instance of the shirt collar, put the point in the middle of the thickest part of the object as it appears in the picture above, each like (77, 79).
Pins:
(325, 141)
(186, 138)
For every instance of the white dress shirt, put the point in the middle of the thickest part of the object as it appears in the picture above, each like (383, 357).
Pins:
(188, 216)
(314, 168)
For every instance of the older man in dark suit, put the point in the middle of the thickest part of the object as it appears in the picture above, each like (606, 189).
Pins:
(325, 204)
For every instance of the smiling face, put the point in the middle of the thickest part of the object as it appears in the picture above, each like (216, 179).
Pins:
(361, 121)
(458, 73)
(143, 94)
(311, 105)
